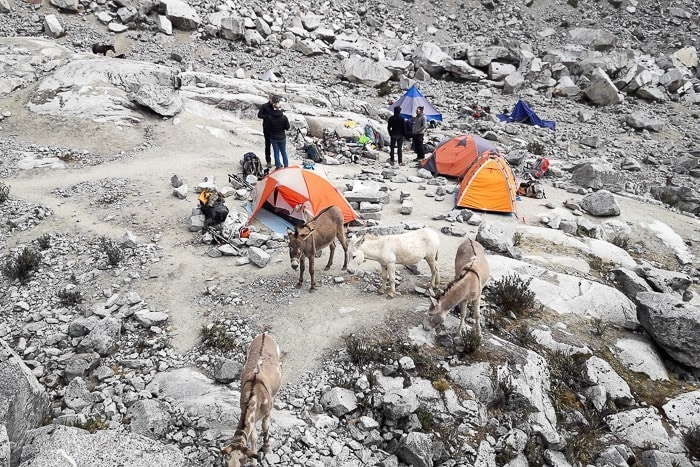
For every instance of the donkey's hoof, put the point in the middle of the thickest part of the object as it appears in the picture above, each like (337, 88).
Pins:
(298, 285)
(326, 268)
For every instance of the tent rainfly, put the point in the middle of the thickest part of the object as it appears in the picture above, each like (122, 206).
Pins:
(413, 99)
(298, 193)
(488, 185)
(522, 113)
(453, 156)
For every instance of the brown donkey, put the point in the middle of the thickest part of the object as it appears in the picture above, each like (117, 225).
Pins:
(317, 234)
(260, 380)
(471, 275)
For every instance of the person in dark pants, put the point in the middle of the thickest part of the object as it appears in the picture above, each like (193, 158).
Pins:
(396, 128)
(275, 125)
(419, 126)
(264, 112)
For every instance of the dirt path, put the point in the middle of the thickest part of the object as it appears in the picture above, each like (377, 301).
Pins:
(308, 325)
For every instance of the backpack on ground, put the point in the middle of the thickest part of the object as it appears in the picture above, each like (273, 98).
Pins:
(312, 152)
(532, 189)
(252, 166)
(540, 168)
(219, 213)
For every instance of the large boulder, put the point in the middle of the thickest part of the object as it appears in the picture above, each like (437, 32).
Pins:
(599, 39)
(674, 325)
(99, 89)
(600, 203)
(598, 177)
(24, 404)
(149, 418)
(103, 338)
(58, 445)
(644, 427)
(417, 449)
(364, 70)
(164, 101)
(681, 197)
(601, 90)
(180, 14)
(430, 57)
(684, 410)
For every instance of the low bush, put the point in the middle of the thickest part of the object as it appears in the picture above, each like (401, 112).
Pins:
(383, 89)
(471, 340)
(692, 442)
(216, 337)
(536, 148)
(425, 418)
(4, 192)
(511, 293)
(114, 254)
(93, 424)
(22, 265)
(44, 241)
(622, 241)
(70, 296)
(517, 238)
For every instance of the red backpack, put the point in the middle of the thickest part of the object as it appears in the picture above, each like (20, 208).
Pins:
(540, 168)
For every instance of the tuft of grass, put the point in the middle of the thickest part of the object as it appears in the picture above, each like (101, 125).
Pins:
(691, 439)
(534, 451)
(68, 157)
(511, 293)
(4, 192)
(441, 385)
(599, 326)
(93, 424)
(517, 238)
(70, 296)
(114, 254)
(363, 352)
(21, 265)
(216, 337)
(425, 418)
(44, 241)
(596, 263)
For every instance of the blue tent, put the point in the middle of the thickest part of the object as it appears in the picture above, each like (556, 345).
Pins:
(523, 114)
(413, 99)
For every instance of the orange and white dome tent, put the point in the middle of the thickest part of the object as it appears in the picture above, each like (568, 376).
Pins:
(488, 185)
(299, 192)
(453, 156)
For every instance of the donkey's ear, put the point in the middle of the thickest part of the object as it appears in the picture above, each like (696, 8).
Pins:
(306, 235)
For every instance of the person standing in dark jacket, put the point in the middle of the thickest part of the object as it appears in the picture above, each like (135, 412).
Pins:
(264, 111)
(419, 126)
(275, 125)
(396, 128)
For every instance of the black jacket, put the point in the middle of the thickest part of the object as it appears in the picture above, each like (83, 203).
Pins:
(396, 126)
(264, 112)
(276, 124)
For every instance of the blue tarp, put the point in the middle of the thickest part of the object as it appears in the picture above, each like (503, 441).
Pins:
(413, 99)
(523, 114)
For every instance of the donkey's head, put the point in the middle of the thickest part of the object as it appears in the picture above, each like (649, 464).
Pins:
(435, 315)
(239, 454)
(355, 254)
(296, 240)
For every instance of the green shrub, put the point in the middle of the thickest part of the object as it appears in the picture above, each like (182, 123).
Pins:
(114, 254)
(4, 192)
(511, 293)
(70, 296)
(215, 337)
(691, 439)
(383, 89)
(425, 418)
(471, 340)
(21, 266)
(44, 241)
(517, 238)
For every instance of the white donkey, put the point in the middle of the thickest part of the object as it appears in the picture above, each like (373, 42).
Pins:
(471, 274)
(406, 248)
(260, 380)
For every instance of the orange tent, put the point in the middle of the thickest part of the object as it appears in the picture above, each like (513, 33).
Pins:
(297, 193)
(488, 185)
(453, 156)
